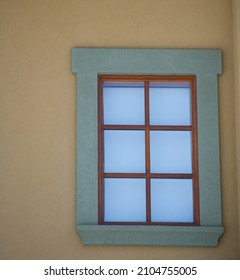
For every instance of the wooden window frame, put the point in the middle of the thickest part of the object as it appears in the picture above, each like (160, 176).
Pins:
(147, 128)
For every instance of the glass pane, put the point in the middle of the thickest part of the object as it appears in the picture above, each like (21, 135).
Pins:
(123, 103)
(171, 200)
(170, 104)
(170, 152)
(125, 200)
(124, 151)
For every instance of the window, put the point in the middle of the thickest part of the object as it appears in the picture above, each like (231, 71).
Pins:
(148, 170)
(195, 69)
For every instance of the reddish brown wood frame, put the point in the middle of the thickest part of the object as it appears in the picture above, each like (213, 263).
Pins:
(147, 127)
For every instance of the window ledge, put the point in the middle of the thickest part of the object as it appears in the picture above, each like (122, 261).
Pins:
(150, 235)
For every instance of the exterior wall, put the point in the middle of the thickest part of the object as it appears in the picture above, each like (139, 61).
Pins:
(236, 30)
(38, 114)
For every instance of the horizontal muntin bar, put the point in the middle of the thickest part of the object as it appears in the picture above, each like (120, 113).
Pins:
(149, 175)
(150, 127)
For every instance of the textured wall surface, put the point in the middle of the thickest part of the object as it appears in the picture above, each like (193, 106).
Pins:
(38, 114)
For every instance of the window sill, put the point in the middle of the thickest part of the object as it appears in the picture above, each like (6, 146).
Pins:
(150, 235)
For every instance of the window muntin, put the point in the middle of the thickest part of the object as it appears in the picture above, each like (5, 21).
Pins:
(160, 149)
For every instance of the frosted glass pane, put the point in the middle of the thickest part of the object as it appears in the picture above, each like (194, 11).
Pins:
(125, 200)
(171, 200)
(124, 151)
(124, 104)
(169, 105)
(170, 152)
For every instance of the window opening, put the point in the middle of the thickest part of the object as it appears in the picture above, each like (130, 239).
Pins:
(148, 159)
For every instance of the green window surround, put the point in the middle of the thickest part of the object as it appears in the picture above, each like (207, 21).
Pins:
(87, 64)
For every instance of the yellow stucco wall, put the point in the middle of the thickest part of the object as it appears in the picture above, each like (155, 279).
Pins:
(38, 114)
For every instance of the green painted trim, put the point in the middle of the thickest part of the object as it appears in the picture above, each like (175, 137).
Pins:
(150, 235)
(88, 63)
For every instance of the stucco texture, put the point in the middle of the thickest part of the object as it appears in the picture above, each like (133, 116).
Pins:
(38, 114)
